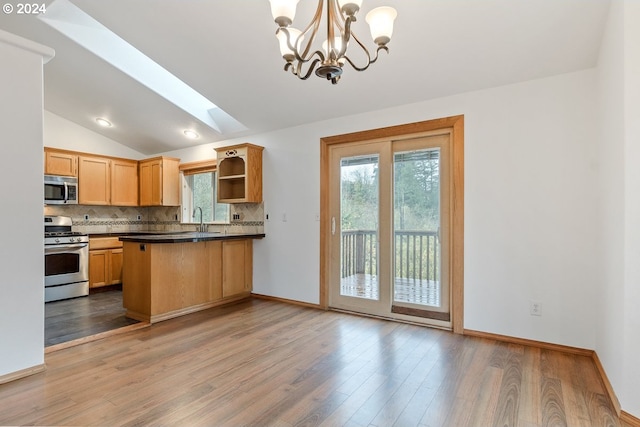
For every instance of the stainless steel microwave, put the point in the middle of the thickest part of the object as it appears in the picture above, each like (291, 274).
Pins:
(60, 190)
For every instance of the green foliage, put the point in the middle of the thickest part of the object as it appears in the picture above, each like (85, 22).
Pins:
(417, 192)
(416, 209)
(203, 189)
(359, 197)
(203, 195)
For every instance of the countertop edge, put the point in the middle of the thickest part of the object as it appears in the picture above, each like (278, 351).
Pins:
(188, 237)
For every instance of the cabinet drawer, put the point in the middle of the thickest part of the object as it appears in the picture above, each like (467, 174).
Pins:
(104, 243)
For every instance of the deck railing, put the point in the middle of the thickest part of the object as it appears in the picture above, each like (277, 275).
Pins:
(416, 254)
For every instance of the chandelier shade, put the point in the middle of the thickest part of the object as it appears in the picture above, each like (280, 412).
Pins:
(298, 48)
(283, 11)
(380, 22)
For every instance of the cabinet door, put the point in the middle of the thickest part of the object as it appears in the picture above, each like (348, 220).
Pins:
(56, 163)
(170, 182)
(93, 181)
(233, 268)
(156, 183)
(145, 184)
(214, 255)
(151, 183)
(98, 268)
(124, 182)
(115, 266)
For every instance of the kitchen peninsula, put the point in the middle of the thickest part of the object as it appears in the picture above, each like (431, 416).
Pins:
(170, 275)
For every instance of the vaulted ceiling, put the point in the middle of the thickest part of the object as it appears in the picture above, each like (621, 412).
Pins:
(226, 50)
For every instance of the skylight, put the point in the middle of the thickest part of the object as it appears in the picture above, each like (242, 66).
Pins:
(80, 27)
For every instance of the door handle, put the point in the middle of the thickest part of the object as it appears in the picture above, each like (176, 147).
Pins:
(48, 249)
(333, 225)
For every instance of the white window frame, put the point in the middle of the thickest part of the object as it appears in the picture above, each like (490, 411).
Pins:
(186, 199)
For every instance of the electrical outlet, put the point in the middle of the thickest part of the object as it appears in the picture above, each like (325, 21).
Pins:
(535, 308)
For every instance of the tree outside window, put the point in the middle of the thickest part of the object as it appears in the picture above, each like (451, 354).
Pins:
(200, 190)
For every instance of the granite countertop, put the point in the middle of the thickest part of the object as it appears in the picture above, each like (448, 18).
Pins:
(132, 233)
(186, 237)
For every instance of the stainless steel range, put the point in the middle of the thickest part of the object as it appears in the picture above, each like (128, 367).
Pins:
(66, 260)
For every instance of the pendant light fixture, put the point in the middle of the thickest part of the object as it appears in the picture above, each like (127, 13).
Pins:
(296, 45)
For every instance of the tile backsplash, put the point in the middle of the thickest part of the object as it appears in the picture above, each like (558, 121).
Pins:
(123, 219)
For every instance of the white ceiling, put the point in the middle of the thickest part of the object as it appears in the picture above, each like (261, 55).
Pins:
(227, 51)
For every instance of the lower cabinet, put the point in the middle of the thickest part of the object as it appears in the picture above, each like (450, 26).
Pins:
(237, 262)
(165, 280)
(105, 261)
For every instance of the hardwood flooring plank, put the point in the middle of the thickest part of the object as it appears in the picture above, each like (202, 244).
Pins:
(510, 389)
(408, 371)
(268, 363)
(483, 408)
(552, 403)
(344, 413)
(601, 412)
(529, 408)
(447, 375)
(75, 318)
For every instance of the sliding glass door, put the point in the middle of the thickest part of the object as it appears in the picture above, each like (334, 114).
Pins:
(389, 227)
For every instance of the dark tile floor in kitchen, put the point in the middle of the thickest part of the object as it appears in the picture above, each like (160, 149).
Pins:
(75, 318)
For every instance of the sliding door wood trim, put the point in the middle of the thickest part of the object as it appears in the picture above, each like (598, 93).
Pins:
(456, 124)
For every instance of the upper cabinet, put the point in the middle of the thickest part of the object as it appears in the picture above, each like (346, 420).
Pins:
(94, 181)
(60, 162)
(160, 182)
(124, 182)
(240, 173)
(107, 181)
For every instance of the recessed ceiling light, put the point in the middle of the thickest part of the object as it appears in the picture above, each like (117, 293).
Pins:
(191, 134)
(77, 25)
(103, 122)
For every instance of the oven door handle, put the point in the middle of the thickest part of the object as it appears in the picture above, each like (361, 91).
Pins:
(64, 248)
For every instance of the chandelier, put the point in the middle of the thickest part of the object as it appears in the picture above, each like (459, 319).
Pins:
(328, 61)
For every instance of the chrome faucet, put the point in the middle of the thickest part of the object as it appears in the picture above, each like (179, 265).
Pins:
(201, 227)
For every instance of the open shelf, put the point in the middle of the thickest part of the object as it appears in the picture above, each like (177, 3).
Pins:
(240, 174)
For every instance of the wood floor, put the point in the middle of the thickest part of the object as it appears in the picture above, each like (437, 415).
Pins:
(70, 319)
(265, 363)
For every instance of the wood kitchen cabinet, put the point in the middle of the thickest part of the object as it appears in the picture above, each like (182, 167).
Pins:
(105, 261)
(237, 264)
(159, 182)
(94, 180)
(163, 280)
(124, 182)
(240, 173)
(60, 162)
(107, 181)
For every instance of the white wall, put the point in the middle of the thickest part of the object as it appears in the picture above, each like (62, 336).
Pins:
(62, 133)
(529, 205)
(617, 338)
(630, 391)
(22, 250)
(610, 314)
